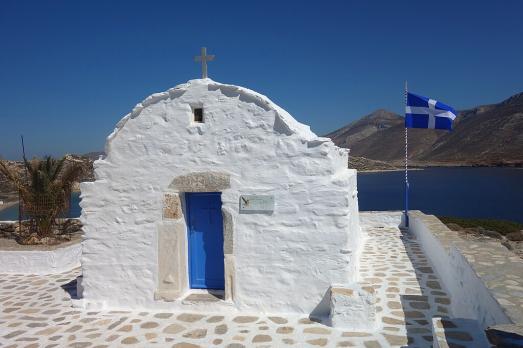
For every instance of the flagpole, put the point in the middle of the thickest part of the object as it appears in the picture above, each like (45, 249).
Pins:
(406, 166)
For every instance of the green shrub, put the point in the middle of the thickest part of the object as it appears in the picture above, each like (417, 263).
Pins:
(503, 227)
(44, 188)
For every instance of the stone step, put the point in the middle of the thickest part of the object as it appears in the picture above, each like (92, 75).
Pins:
(458, 333)
(203, 297)
(353, 307)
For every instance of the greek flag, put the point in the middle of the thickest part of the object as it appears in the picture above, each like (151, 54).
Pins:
(423, 112)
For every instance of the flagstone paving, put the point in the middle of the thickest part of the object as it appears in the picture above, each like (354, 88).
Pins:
(35, 311)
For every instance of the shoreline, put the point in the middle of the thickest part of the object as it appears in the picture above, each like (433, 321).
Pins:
(417, 167)
(8, 204)
(370, 171)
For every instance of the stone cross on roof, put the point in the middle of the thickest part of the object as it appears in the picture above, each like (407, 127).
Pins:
(204, 58)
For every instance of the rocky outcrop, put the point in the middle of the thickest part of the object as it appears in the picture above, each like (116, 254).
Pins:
(512, 241)
(62, 233)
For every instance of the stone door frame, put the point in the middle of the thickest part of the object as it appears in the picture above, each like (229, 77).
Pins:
(172, 235)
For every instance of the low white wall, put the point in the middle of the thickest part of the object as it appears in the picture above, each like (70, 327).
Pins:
(380, 218)
(470, 298)
(40, 261)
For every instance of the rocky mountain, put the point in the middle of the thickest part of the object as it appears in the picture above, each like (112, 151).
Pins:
(485, 135)
(367, 126)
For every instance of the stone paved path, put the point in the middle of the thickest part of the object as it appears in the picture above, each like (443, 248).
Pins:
(408, 292)
(35, 311)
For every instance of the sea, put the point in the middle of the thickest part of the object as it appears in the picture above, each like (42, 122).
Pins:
(11, 213)
(491, 193)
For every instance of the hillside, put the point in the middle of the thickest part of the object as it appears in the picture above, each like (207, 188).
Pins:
(365, 127)
(367, 165)
(485, 135)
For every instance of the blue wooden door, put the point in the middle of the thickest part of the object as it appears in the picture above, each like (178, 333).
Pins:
(205, 240)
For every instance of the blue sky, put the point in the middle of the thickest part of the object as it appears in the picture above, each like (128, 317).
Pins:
(69, 70)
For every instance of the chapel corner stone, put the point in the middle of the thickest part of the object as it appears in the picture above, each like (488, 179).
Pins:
(172, 208)
(201, 182)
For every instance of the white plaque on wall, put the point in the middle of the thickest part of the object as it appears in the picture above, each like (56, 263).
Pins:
(257, 203)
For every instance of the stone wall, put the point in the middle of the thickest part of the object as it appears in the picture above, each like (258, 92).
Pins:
(308, 243)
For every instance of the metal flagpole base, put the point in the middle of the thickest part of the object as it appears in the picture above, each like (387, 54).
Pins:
(405, 220)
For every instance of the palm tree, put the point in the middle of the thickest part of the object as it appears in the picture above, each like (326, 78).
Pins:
(44, 188)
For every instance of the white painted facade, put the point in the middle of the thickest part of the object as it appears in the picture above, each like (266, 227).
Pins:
(284, 262)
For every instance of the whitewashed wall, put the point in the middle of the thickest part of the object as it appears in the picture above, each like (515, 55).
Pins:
(285, 262)
(470, 298)
(40, 261)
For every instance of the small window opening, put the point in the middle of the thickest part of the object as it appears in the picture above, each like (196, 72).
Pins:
(198, 115)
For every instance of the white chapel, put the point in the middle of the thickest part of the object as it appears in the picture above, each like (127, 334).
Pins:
(212, 189)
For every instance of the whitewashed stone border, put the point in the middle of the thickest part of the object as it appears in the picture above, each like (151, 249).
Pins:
(471, 297)
(40, 261)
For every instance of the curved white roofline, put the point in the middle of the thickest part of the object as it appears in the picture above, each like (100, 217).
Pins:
(287, 124)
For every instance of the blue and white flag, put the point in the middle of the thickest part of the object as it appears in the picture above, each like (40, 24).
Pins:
(423, 112)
